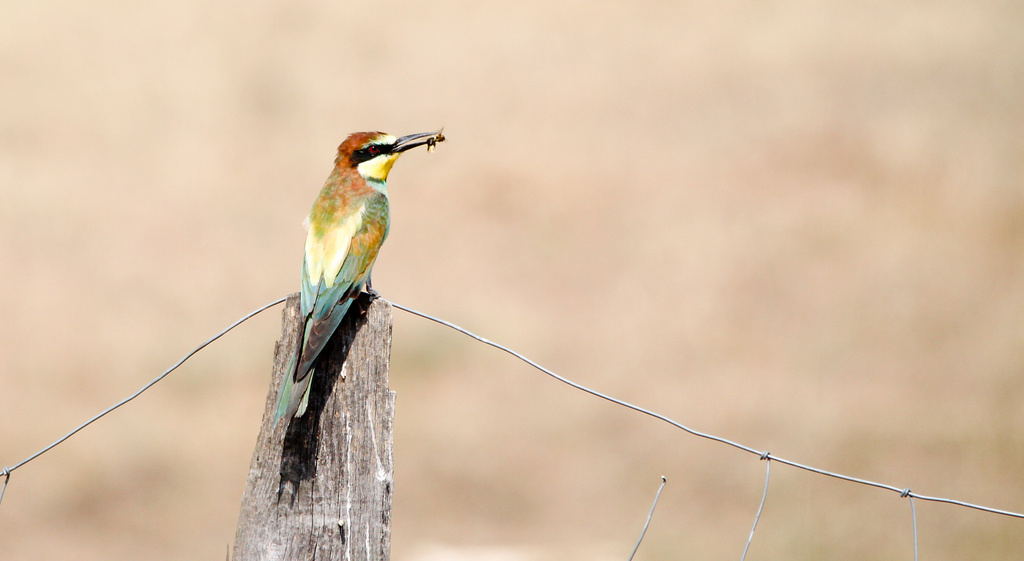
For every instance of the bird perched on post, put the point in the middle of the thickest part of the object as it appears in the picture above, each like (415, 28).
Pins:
(345, 230)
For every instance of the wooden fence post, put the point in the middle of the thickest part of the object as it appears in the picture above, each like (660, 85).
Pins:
(320, 486)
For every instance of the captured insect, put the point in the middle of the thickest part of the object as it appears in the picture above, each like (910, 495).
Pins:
(432, 141)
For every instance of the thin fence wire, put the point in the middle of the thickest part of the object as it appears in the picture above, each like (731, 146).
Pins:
(650, 514)
(901, 491)
(6, 471)
(913, 518)
(760, 507)
(763, 455)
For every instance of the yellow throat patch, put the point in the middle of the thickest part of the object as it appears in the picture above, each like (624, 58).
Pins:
(377, 169)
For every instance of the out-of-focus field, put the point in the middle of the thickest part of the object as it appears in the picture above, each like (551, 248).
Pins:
(797, 225)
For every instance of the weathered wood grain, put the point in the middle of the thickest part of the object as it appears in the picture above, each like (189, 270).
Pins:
(320, 485)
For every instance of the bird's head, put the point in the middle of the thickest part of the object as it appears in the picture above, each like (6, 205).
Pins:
(373, 153)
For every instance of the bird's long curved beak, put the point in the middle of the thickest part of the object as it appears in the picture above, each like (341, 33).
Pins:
(419, 139)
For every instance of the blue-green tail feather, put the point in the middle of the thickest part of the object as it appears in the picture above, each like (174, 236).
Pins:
(294, 393)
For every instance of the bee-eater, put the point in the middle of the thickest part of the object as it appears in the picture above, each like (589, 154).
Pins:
(345, 230)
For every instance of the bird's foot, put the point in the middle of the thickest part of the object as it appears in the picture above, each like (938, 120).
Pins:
(365, 299)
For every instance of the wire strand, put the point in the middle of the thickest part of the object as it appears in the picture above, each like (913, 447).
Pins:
(6, 472)
(637, 408)
(913, 517)
(650, 514)
(764, 495)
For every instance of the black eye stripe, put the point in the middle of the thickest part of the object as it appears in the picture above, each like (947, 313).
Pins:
(368, 153)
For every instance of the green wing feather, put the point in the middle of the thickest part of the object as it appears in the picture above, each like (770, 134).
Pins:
(324, 307)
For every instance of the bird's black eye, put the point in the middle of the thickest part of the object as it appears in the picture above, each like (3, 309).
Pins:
(373, 149)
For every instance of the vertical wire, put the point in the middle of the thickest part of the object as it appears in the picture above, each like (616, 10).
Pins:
(650, 514)
(764, 495)
(913, 515)
(7, 478)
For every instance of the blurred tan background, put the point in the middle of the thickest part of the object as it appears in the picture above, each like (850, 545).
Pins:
(797, 225)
